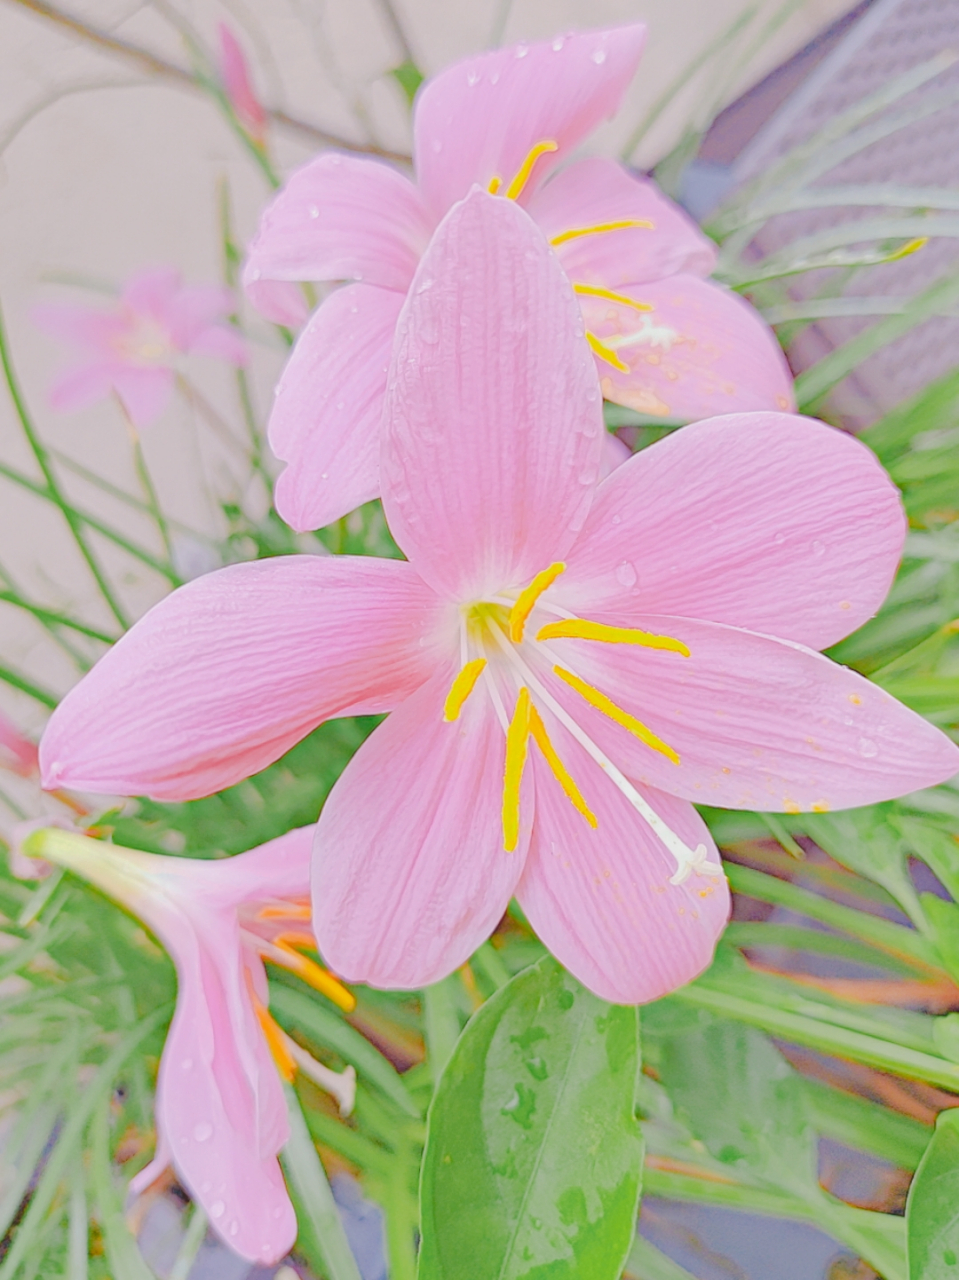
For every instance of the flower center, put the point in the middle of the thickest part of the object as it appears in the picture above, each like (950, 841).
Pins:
(496, 630)
(145, 342)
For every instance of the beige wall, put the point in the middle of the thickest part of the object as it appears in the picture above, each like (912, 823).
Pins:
(103, 170)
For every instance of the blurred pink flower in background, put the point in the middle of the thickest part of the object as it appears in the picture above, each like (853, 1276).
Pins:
(131, 349)
(220, 1111)
(653, 638)
(17, 753)
(235, 75)
(666, 341)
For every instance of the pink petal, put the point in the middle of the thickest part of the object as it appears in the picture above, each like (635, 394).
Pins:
(144, 392)
(221, 343)
(764, 520)
(226, 674)
(615, 453)
(279, 300)
(193, 310)
(151, 292)
(78, 388)
(758, 723)
(597, 191)
(17, 753)
(94, 328)
(701, 351)
(494, 427)
(480, 118)
(601, 898)
(340, 217)
(410, 874)
(278, 869)
(329, 402)
(220, 1101)
(236, 81)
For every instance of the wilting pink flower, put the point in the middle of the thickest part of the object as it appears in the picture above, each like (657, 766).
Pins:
(131, 349)
(17, 753)
(567, 665)
(667, 342)
(235, 75)
(221, 1115)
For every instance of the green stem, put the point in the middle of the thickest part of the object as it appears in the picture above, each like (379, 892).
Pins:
(149, 488)
(53, 488)
(58, 619)
(442, 1025)
(17, 681)
(189, 1246)
(402, 1219)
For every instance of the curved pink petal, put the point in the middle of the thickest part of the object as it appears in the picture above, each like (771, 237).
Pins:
(152, 292)
(278, 869)
(145, 392)
(220, 1100)
(758, 723)
(766, 521)
(700, 351)
(78, 388)
(326, 417)
(221, 343)
(91, 327)
(601, 898)
(226, 674)
(281, 301)
(615, 453)
(195, 308)
(480, 118)
(341, 217)
(410, 873)
(493, 426)
(596, 192)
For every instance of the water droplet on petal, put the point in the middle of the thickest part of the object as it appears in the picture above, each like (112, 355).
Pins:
(494, 78)
(626, 574)
(868, 748)
(436, 145)
(234, 1227)
(472, 77)
(818, 548)
(205, 1186)
(558, 43)
(314, 211)
(217, 1209)
(779, 539)
(203, 1131)
(522, 50)
(187, 1064)
(277, 1212)
(617, 520)
(599, 56)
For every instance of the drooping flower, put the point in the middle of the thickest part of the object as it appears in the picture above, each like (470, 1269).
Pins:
(220, 1111)
(132, 348)
(667, 342)
(237, 85)
(567, 664)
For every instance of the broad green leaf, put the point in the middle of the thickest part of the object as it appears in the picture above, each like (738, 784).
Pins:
(859, 1123)
(533, 1154)
(932, 1210)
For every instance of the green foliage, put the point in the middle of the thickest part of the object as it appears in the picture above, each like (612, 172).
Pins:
(932, 1211)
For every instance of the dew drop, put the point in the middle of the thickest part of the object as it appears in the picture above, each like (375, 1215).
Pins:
(818, 548)
(187, 1064)
(599, 56)
(277, 1212)
(424, 284)
(617, 520)
(558, 43)
(779, 539)
(217, 1209)
(626, 574)
(234, 1227)
(325, 475)
(868, 748)
(203, 1131)
(472, 77)
(205, 1186)
(436, 145)
(314, 211)
(494, 78)
(522, 50)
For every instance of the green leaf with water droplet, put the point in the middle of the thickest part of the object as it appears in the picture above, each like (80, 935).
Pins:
(533, 1154)
(932, 1210)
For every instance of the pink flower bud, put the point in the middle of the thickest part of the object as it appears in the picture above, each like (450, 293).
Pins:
(235, 75)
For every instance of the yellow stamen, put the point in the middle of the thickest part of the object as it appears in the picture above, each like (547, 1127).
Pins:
(275, 1039)
(285, 911)
(527, 599)
(311, 973)
(494, 184)
(593, 291)
(606, 353)
(295, 938)
(462, 687)
(515, 188)
(575, 232)
(541, 738)
(609, 708)
(910, 247)
(517, 745)
(583, 629)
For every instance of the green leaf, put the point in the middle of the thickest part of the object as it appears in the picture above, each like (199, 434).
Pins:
(932, 1210)
(859, 1123)
(533, 1154)
(409, 77)
(123, 1253)
(646, 1262)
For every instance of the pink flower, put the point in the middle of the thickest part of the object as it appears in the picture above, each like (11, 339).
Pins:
(667, 342)
(131, 349)
(17, 753)
(221, 1114)
(567, 665)
(235, 75)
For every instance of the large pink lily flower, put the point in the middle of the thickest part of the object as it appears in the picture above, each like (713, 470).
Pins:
(666, 341)
(568, 665)
(131, 349)
(220, 1111)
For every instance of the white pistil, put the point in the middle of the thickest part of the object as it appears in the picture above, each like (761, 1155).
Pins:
(687, 860)
(341, 1084)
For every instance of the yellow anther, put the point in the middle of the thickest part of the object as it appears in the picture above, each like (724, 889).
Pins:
(515, 188)
(517, 746)
(285, 911)
(462, 687)
(593, 291)
(494, 184)
(606, 353)
(583, 629)
(911, 246)
(560, 772)
(279, 952)
(575, 232)
(609, 708)
(527, 598)
(275, 1039)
